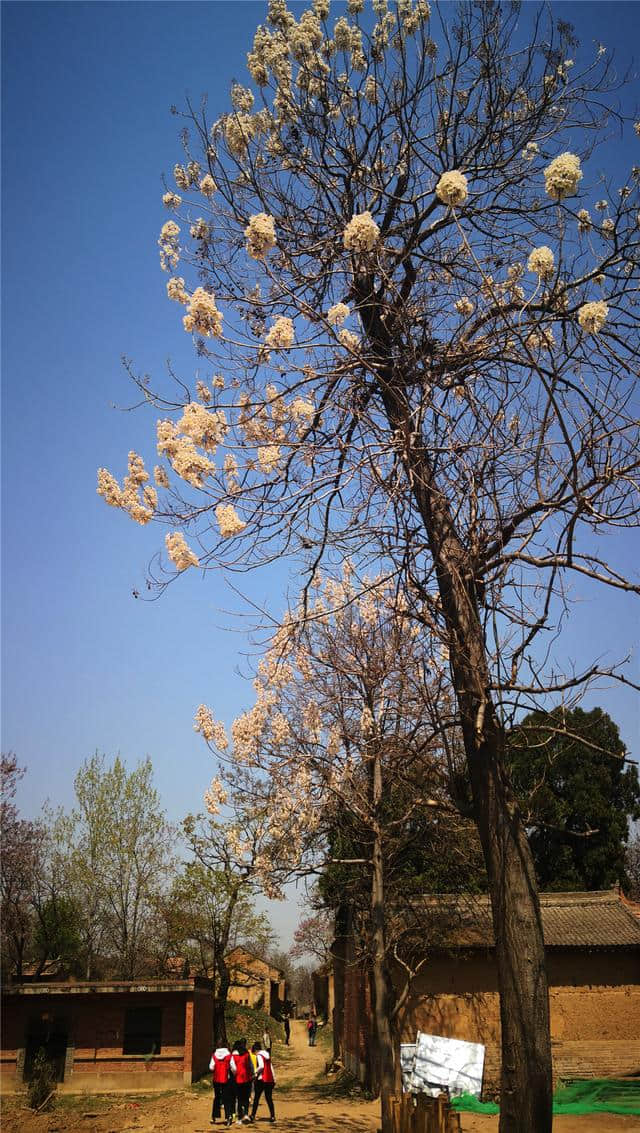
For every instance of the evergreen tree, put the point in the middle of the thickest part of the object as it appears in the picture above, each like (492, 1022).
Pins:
(570, 771)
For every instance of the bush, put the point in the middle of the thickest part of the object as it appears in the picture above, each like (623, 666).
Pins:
(42, 1082)
(250, 1022)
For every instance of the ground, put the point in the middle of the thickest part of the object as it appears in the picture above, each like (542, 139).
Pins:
(305, 1100)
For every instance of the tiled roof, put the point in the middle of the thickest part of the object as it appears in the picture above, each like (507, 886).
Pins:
(569, 920)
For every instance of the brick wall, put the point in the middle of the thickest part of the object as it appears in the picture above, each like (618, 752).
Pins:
(94, 1023)
(202, 1044)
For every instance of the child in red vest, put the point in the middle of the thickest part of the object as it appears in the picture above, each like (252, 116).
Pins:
(242, 1071)
(220, 1066)
(264, 1083)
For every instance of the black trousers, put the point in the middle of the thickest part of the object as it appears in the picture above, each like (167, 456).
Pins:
(222, 1098)
(259, 1089)
(243, 1093)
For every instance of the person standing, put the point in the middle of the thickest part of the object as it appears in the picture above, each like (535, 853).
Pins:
(287, 1030)
(220, 1067)
(242, 1071)
(312, 1027)
(266, 1040)
(264, 1083)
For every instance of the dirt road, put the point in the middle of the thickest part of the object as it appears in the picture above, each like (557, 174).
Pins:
(302, 1099)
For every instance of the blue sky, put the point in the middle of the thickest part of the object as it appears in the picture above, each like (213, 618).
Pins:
(87, 135)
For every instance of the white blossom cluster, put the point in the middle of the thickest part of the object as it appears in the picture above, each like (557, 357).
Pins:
(229, 521)
(171, 201)
(179, 551)
(176, 289)
(186, 461)
(361, 233)
(280, 335)
(452, 188)
(215, 797)
(168, 244)
(584, 221)
(136, 496)
(261, 235)
(239, 130)
(348, 339)
(186, 178)
(203, 316)
(211, 730)
(207, 185)
(269, 457)
(205, 427)
(541, 262)
(337, 314)
(593, 316)
(562, 176)
(464, 306)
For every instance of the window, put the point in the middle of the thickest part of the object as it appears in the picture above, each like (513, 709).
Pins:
(142, 1030)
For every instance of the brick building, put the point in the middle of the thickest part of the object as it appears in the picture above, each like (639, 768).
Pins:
(111, 1036)
(592, 943)
(255, 982)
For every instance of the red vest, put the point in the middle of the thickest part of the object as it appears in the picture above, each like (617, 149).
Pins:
(267, 1072)
(244, 1070)
(221, 1068)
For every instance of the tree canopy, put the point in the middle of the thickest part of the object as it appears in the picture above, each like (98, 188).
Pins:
(578, 794)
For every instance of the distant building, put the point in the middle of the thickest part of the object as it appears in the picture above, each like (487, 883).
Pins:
(324, 992)
(592, 944)
(108, 1036)
(255, 982)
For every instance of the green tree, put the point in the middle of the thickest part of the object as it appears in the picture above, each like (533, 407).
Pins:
(215, 893)
(578, 794)
(632, 867)
(119, 849)
(57, 934)
(423, 349)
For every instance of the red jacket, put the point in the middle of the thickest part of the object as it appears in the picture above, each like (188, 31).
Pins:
(220, 1060)
(243, 1068)
(267, 1069)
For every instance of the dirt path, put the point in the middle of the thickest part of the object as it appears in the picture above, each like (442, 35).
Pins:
(302, 1100)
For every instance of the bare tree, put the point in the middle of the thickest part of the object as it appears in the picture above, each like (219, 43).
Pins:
(474, 429)
(22, 855)
(314, 936)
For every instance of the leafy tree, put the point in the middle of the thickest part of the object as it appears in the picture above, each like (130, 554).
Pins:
(57, 933)
(578, 795)
(471, 427)
(632, 868)
(216, 891)
(196, 912)
(118, 853)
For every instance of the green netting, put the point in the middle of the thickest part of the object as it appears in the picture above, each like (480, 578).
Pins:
(466, 1103)
(598, 1095)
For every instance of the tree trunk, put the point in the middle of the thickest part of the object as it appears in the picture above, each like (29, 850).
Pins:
(219, 1005)
(525, 1098)
(384, 1048)
(526, 1082)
